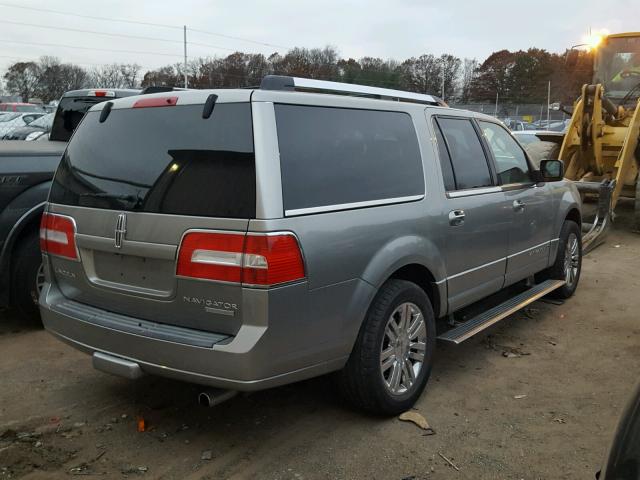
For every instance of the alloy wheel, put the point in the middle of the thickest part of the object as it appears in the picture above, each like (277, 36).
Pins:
(571, 260)
(403, 348)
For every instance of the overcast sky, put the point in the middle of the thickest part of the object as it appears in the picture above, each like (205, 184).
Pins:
(397, 29)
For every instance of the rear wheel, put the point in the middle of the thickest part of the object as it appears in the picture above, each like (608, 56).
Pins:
(568, 264)
(391, 360)
(27, 277)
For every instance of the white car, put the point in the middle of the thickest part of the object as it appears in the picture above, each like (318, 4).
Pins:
(540, 144)
(12, 120)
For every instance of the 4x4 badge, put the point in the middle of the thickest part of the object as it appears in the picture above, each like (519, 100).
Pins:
(121, 229)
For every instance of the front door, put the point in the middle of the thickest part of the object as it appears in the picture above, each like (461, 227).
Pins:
(474, 237)
(529, 205)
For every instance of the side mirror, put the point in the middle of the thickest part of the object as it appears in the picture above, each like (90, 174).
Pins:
(552, 170)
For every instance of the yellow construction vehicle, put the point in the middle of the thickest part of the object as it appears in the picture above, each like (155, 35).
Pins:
(601, 150)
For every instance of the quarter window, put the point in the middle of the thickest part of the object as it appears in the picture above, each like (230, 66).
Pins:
(511, 161)
(468, 161)
(332, 157)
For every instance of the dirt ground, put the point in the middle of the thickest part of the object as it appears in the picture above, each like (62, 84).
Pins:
(536, 397)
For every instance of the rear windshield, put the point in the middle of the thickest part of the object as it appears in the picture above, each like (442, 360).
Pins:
(162, 160)
(68, 115)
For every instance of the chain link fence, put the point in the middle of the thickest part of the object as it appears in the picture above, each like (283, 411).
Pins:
(520, 116)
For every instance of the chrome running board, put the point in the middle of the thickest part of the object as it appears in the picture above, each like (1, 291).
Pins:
(480, 322)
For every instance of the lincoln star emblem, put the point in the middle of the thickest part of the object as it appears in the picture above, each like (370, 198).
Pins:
(121, 229)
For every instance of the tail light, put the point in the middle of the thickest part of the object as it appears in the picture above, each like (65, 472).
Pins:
(58, 235)
(251, 259)
(101, 93)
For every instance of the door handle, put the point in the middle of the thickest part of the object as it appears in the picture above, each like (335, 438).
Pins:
(518, 205)
(456, 217)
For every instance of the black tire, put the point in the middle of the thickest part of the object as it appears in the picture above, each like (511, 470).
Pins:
(26, 264)
(362, 381)
(558, 270)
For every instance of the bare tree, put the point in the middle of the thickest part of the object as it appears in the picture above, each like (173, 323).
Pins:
(469, 72)
(115, 75)
(22, 79)
(449, 74)
(422, 74)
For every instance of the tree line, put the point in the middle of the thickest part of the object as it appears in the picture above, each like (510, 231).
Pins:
(515, 77)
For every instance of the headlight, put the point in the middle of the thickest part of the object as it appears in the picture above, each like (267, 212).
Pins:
(34, 135)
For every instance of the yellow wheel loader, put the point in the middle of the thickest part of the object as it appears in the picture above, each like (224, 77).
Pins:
(600, 149)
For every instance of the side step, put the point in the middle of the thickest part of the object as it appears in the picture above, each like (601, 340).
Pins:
(478, 323)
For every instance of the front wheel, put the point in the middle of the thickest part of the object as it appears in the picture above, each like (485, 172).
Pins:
(568, 264)
(391, 360)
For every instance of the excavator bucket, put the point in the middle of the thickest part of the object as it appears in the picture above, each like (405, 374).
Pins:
(594, 232)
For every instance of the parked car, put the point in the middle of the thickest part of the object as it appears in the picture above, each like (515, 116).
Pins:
(11, 121)
(26, 170)
(33, 130)
(623, 458)
(518, 125)
(560, 126)
(243, 239)
(21, 107)
(541, 144)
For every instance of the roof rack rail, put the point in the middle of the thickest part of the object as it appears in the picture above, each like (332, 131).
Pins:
(280, 82)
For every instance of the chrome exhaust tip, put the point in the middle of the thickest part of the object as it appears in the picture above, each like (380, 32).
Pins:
(215, 396)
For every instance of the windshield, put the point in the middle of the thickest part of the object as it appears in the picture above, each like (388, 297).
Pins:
(43, 122)
(618, 66)
(8, 117)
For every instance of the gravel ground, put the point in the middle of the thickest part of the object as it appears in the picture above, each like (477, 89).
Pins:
(535, 397)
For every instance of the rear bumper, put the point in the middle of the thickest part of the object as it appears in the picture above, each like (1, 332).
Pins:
(253, 359)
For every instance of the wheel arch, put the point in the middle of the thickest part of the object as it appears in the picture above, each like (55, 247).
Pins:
(574, 215)
(25, 224)
(414, 258)
(422, 276)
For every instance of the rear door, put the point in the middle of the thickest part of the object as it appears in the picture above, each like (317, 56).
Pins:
(528, 205)
(475, 243)
(137, 184)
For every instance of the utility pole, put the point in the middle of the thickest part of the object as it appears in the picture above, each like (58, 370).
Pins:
(495, 114)
(548, 102)
(442, 91)
(186, 81)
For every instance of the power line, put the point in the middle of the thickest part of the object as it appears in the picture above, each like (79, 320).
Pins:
(90, 48)
(138, 37)
(274, 45)
(90, 17)
(123, 35)
(137, 22)
(34, 59)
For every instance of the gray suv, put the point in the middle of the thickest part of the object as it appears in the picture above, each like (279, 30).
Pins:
(244, 239)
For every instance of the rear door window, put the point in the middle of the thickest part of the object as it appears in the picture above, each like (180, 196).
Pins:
(332, 158)
(463, 146)
(162, 160)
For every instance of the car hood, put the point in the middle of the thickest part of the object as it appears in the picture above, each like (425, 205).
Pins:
(22, 132)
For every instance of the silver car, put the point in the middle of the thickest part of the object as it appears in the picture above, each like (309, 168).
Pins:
(244, 239)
